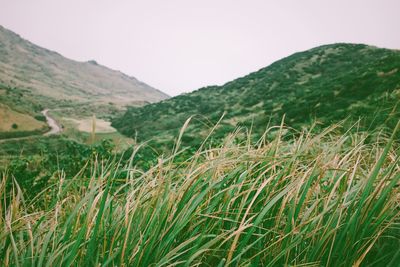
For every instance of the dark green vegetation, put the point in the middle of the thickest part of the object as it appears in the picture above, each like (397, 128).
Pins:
(33, 162)
(326, 84)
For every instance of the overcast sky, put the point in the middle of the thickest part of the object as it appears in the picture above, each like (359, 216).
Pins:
(181, 45)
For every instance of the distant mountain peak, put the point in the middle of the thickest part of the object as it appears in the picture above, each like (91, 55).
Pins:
(26, 65)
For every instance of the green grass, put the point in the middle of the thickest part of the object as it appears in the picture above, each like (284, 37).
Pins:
(314, 200)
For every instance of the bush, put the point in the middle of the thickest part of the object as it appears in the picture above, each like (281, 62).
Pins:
(40, 117)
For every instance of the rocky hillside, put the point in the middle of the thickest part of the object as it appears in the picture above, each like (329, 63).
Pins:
(325, 85)
(46, 73)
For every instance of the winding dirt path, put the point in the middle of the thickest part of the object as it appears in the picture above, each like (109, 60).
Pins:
(55, 128)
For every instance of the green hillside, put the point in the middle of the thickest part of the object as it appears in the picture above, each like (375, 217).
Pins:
(325, 84)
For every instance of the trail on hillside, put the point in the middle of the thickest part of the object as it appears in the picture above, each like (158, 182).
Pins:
(55, 128)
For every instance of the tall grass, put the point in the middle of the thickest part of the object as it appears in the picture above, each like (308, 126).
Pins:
(316, 200)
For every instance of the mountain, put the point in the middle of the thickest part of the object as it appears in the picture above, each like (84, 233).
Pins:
(325, 85)
(46, 73)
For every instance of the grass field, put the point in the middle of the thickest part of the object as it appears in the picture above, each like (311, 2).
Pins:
(317, 199)
(23, 122)
(86, 125)
(81, 130)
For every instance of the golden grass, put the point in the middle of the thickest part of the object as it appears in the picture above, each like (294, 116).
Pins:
(85, 125)
(24, 122)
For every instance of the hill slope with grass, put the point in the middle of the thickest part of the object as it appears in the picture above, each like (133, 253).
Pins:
(325, 84)
(47, 73)
(11, 120)
(20, 112)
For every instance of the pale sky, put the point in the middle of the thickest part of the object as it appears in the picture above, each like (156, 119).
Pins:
(181, 45)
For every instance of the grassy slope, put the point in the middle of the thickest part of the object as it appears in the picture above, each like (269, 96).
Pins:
(24, 122)
(328, 83)
(22, 108)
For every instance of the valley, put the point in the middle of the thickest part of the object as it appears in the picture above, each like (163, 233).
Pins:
(36, 82)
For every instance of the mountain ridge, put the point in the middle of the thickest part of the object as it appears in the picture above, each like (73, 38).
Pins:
(46, 72)
(326, 83)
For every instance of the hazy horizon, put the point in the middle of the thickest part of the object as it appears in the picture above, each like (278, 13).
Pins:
(179, 46)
